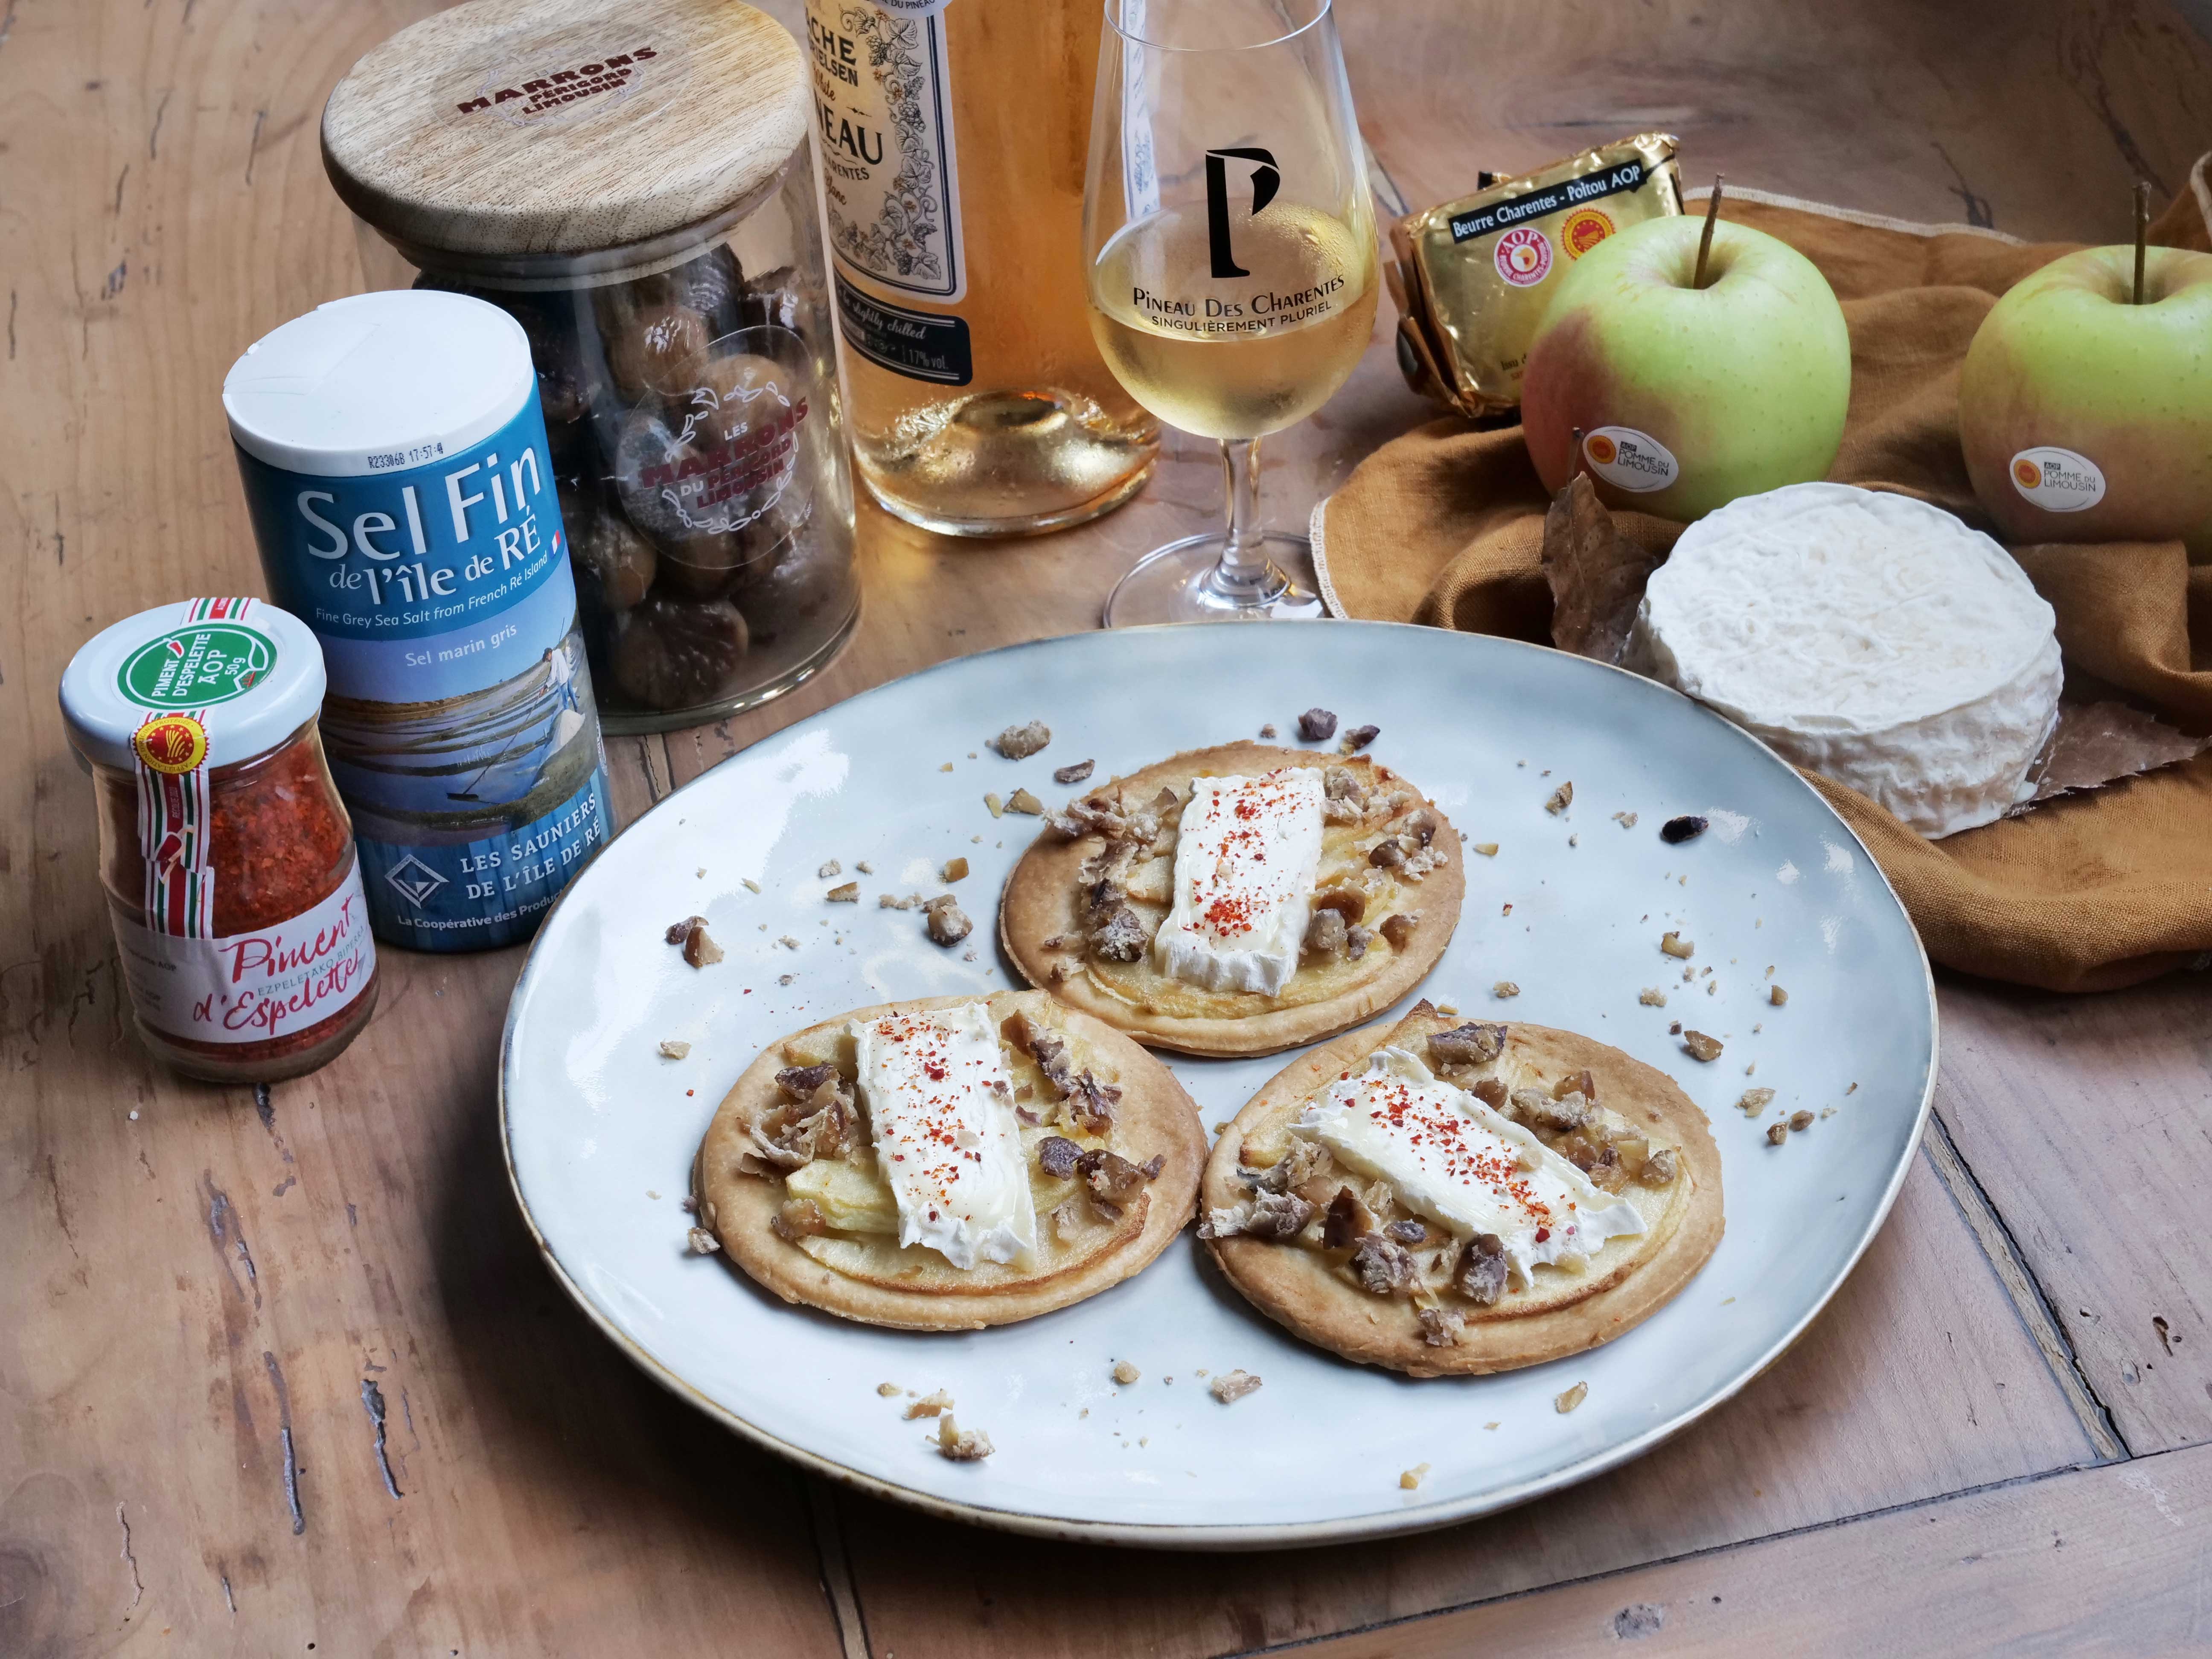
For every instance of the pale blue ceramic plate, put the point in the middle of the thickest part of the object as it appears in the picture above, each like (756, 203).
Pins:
(600, 1130)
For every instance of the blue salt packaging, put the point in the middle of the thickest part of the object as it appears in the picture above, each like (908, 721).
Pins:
(396, 469)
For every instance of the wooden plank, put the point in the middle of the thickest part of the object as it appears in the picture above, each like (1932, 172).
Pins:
(1970, 1574)
(2088, 1120)
(2035, 118)
(207, 1304)
(1917, 1381)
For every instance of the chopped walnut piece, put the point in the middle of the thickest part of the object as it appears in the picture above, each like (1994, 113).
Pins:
(1472, 1044)
(1075, 774)
(960, 1445)
(1020, 742)
(700, 1242)
(1675, 945)
(847, 894)
(1440, 1326)
(802, 1082)
(1266, 1215)
(1801, 1119)
(1121, 937)
(1317, 726)
(699, 951)
(1359, 736)
(1384, 1268)
(1777, 1133)
(798, 1218)
(1349, 902)
(1125, 1373)
(1346, 1222)
(1546, 1111)
(1056, 1156)
(1326, 934)
(672, 1049)
(1776, 995)
(1505, 988)
(1024, 802)
(1701, 1045)
(945, 922)
(1754, 1101)
(1387, 853)
(1397, 929)
(1233, 1387)
(1660, 1168)
(1572, 1398)
(1113, 1182)
(1652, 997)
(1480, 1274)
(1562, 797)
(1688, 827)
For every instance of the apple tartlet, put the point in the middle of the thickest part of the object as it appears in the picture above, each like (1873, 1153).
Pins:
(949, 1163)
(1447, 1198)
(1237, 900)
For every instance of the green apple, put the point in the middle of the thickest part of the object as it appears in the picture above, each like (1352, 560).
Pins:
(2086, 417)
(1686, 396)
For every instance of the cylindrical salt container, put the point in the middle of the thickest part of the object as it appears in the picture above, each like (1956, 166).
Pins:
(396, 468)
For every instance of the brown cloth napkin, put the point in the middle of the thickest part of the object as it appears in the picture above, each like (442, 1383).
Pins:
(1445, 525)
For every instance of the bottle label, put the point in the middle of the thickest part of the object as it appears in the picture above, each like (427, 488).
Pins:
(477, 894)
(915, 343)
(2057, 480)
(249, 987)
(437, 575)
(1629, 459)
(889, 182)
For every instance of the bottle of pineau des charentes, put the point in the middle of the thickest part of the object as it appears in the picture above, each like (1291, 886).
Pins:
(952, 138)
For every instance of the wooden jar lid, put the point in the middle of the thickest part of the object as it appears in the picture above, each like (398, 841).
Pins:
(532, 127)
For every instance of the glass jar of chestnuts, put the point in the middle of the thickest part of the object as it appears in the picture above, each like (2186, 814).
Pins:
(632, 184)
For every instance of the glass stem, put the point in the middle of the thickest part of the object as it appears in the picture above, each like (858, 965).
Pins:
(1244, 570)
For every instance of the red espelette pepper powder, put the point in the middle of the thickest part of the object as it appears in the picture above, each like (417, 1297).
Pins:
(225, 854)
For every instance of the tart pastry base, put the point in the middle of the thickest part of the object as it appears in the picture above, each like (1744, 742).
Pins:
(1560, 1314)
(1041, 899)
(1152, 1115)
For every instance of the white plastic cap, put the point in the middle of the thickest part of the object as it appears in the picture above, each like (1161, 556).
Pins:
(368, 384)
(251, 673)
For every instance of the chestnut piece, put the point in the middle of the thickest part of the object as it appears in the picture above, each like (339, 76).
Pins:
(673, 653)
(647, 346)
(611, 556)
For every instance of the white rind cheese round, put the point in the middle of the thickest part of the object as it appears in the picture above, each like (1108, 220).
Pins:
(1869, 637)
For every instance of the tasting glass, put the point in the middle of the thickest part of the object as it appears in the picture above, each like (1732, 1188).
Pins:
(1228, 248)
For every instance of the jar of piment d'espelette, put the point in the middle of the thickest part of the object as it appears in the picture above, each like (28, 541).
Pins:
(227, 856)
(632, 184)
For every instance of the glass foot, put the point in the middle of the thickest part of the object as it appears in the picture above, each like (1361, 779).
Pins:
(1185, 582)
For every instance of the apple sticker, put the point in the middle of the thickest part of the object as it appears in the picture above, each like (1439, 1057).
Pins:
(2057, 480)
(1629, 459)
(1523, 256)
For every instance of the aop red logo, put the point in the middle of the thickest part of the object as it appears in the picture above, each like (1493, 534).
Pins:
(544, 93)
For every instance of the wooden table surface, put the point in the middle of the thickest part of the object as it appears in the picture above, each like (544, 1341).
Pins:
(1995, 1438)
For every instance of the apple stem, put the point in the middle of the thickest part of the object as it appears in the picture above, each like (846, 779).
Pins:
(2143, 233)
(1705, 239)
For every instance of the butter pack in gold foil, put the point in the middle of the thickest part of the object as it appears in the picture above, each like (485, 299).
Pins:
(1473, 276)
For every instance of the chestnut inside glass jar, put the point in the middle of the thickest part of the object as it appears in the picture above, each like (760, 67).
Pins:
(678, 318)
